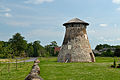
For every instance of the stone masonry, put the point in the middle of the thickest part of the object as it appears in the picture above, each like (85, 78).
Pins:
(34, 74)
(76, 47)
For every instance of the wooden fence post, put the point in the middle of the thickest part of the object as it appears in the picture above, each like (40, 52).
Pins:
(16, 64)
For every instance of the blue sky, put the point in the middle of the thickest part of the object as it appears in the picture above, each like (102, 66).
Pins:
(42, 19)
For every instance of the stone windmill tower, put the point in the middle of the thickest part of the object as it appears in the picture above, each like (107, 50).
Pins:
(76, 47)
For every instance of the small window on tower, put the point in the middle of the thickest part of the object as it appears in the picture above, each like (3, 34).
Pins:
(69, 46)
(86, 36)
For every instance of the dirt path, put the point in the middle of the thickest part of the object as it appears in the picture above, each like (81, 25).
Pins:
(29, 60)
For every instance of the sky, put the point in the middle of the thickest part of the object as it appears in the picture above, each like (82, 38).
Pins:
(43, 19)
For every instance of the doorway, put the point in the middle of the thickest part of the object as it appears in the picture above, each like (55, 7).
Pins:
(67, 58)
(92, 58)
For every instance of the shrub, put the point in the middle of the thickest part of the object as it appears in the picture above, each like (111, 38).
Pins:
(114, 64)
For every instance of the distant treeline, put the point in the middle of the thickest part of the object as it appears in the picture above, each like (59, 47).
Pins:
(106, 50)
(17, 46)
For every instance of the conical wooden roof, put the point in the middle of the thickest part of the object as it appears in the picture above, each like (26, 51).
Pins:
(75, 20)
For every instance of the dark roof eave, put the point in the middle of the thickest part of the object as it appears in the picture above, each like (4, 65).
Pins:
(75, 23)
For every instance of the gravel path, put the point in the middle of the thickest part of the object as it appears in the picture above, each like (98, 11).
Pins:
(29, 60)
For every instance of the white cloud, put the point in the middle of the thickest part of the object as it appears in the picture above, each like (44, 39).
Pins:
(108, 40)
(4, 9)
(44, 33)
(102, 38)
(103, 25)
(111, 40)
(116, 1)
(118, 9)
(91, 31)
(7, 15)
(38, 1)
(118, 39)
(115, 25)
(18, 24)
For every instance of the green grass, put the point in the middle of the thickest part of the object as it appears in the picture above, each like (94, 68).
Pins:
(15, 74)
(100, 70)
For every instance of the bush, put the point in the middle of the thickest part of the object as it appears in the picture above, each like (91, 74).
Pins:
(96, 54)
(114, 64)
(2, 56)
(108, 53)
(118, 66)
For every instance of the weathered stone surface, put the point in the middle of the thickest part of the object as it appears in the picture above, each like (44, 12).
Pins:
(37, 61)
(37, 68)
(34, 74)
(35, 64)
(76, 47)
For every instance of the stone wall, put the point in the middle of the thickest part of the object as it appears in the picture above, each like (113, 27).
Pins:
(34, 74)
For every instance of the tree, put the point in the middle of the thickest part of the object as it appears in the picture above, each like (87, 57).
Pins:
(50, 48)
(53, 44)
(108, 53)
(36, 46)
(117, 52)
(100, 46)
(18, 44)
(30, 50)
(1, 46)
(5, 49)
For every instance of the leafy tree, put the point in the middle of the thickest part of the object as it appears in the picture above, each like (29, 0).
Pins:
(117, 52)
(36, 46)
(30, 50)
(18, 44)
(5, 49)
(108, 53)
(53, 44)
(1, 45)
(39, 50)
(100, 46)
(50, 48)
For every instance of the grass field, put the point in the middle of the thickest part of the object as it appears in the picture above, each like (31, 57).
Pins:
(15, 74)
(100, 70)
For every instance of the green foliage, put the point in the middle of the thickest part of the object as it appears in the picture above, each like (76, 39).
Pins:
(50, 48)
(5, 49)
(96, 54)
(35, 49)
(108, 53)
(18, 44)
(108, 50)
(53, 44)
(114, 64)
(36, 46)
(100, 46)
(30, 50)
(117, 52)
